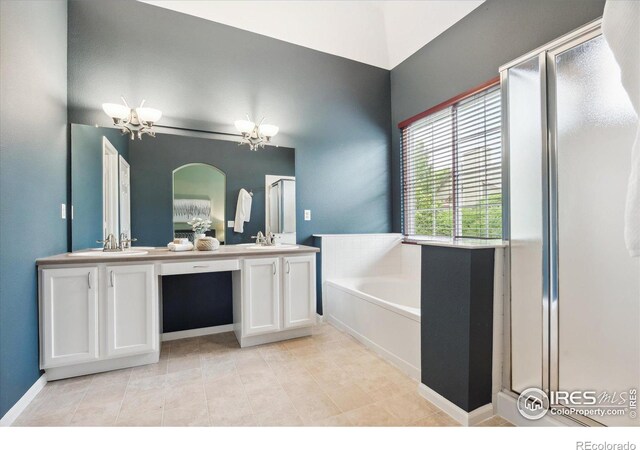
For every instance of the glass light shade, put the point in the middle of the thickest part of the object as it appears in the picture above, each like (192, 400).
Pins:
(148, 114)
(116, 111)
(245, 126)
(268, 130)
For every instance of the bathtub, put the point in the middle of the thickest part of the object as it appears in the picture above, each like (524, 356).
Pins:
(371, 290)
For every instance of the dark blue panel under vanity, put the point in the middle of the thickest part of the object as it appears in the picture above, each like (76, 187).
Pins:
(196, 301)
(457, 323)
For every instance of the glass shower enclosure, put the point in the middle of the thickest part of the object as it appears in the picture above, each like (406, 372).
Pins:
(574, 306)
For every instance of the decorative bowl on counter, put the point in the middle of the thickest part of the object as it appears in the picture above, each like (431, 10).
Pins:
(207, 244)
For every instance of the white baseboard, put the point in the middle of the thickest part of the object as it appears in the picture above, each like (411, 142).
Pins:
(404, 366)
(507, 408)
(17, 409)
(458, 414)
(319, 318)
(196, 332)
(268, 338)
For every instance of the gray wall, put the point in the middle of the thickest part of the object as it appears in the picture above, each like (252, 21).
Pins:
(154, 160)
(470, 52)
(203, 75)
(33, 166)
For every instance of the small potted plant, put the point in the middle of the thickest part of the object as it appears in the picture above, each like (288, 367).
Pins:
(199, 227)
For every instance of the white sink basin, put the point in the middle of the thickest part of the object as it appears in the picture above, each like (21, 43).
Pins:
(273, 247)
(100, 254)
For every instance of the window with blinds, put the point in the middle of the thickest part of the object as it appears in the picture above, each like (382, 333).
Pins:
(452, 168)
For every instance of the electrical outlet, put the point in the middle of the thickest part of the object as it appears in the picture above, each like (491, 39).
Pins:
(63, 211)
(307, 214)
(231, 223)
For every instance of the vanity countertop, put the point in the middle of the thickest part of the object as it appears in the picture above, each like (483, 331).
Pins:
(164, 254)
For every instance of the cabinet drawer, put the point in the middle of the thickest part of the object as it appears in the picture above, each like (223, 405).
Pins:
(199, 267)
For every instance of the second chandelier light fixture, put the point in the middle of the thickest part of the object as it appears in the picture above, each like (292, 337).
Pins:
(255, 135)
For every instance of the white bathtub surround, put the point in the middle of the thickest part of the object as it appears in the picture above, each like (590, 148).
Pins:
(371, 289)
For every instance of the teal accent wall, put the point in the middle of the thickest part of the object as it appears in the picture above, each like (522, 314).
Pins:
(33, 176)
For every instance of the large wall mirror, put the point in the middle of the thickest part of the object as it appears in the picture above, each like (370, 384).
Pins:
(198, 192)
(136, 187)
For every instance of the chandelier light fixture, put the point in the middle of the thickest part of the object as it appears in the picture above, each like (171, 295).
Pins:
(136, 121)
(255, 136)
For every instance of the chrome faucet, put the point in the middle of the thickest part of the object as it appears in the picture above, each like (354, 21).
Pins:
(125, 243)
(268, 240)
(260, 239)
(110, 244)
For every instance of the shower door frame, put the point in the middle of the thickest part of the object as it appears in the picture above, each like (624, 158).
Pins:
(549, 302)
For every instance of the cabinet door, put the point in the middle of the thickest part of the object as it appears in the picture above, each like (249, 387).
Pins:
(299, 291)
(261, 296)
(69, 321)
(132, 310)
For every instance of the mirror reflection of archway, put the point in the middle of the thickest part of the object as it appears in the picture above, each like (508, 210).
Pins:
(199, 191)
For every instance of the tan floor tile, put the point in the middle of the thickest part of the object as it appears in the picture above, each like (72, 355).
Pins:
(189, 416)
(341, 420)
(104, 394)
(152, 418)
(495, 421)
(228, 386)
(372, 416)
(190, 394)
(149, 370)
(226, 420)
(146, 383)
(408, 407)
(182, 377)
(439, 419)
(350, 397)
(103, 415)
(69, 385)
(214, 369)
(182, 363)
(149, 400)
(279, 417)
(315, 406)
(267, 399)
(114, 377)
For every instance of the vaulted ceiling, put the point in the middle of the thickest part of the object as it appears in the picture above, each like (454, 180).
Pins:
(380, 33)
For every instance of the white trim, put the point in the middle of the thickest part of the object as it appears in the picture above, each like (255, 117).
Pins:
(404, 366)
(268, 338)
(319, 318)
(172, 336)
(103, 365)
(507, 409)
(458, 414)
(17, 409)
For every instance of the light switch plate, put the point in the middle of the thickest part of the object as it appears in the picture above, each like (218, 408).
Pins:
(307, 214)
(63, 211)
(231, 223)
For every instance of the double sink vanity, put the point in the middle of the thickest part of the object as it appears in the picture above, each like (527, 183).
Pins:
(106, 310)
(101, 311)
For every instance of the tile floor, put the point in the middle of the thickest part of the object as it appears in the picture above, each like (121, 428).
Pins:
(326, 379)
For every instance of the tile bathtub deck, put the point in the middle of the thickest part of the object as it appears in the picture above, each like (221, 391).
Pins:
(325, 379)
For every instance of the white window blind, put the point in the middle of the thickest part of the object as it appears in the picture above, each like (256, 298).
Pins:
(452, 170)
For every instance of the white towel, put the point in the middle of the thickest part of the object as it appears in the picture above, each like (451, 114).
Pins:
(621, 30)
(243, 211)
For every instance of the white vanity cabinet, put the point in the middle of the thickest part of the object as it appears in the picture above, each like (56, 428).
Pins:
(299, 291)
(69, 316)
(261, 299)
(274, 298)
(93, 318)
(131, 316)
